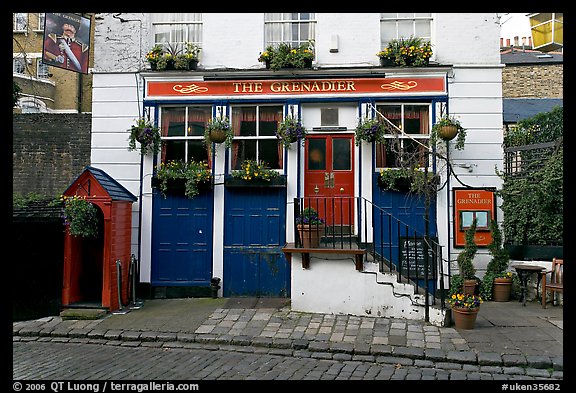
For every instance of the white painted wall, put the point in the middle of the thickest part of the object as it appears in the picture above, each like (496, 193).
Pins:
(469, 41)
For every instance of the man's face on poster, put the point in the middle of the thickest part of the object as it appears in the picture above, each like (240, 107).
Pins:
(68, 30)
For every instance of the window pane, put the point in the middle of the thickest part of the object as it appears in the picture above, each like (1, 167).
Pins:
(268, 152)
(405, 28)
(422, 29)
(197, 151)
(173, 122)
(197, 119)
(269, 116)
(341, 160)
(173, 150)
(244, 120)
(317, 154)
(242, 150)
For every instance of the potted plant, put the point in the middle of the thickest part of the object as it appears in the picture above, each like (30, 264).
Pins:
(188, 58)
(310, 228)
(407, 179)
(412, 51)
(219, 130)
(255, 174)
(284, 55)
(266, 56)
(167, 59)
(465, 309)
(179, 176)
(147, 135)
(80, 216)
(465, 261)
(497, 281)
(448, 128)
(369, 130)
(154, 55)
(289, 131)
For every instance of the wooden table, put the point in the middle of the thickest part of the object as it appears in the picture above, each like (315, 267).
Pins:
(524, 272)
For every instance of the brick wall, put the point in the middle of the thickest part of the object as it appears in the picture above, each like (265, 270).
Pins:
(49, 151)
(533, 81)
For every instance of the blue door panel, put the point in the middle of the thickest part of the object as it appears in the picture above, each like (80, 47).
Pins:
(406, 207)
(254, 234)
(182, 239)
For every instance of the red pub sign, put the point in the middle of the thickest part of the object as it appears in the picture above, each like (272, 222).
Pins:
(433, 85)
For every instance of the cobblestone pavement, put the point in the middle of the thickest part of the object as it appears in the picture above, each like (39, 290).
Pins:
(508, 339)
(83, 359)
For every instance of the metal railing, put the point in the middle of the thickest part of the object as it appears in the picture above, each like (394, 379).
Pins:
(355, 222)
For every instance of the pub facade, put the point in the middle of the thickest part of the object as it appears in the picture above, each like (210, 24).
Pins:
(247, 233)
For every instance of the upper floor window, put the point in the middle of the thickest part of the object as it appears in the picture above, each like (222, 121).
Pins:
(295, 28)
(42, 70)
(20, 21)
(177, 29)
(404, 24)
(41, 19)
(411, 149)
(19, 65)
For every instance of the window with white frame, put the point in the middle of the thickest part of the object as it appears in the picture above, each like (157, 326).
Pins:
(404, 24)
(182, 133)
(19, 65)
(42, 70)
(400, 149)
(177, 29)
(20, 22)
(295, 28)
(41, 20)
(254, 128)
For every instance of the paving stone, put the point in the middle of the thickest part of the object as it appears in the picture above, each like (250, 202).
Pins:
(489, 359)
(538, 361)
(461, 356)
(514, 360)
(411, 352)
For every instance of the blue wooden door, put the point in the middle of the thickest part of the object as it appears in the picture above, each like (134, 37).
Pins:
(400, 217)
(182, 239)
(254, 234)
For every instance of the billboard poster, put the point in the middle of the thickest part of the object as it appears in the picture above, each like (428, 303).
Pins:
(66, 41)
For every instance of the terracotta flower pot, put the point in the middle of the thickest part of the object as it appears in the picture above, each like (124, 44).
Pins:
(464, 318)
(469, 287)
(310, 234)
(501, 289)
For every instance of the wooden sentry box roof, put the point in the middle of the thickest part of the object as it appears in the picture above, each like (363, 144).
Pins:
(111, 187)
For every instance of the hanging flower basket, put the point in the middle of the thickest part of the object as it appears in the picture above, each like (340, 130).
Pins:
(219, 130)
(447, 133)
(289, 131)
(147, 135)
(217, 136)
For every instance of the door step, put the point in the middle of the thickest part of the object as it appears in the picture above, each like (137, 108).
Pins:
(86, 312)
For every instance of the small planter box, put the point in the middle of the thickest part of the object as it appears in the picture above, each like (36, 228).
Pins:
(178, 186)
(277, 182)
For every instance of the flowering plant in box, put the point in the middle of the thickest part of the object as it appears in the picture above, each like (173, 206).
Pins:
(252, 170)
(192, 172)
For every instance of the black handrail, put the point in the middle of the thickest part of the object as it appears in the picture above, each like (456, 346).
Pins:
(394, 236)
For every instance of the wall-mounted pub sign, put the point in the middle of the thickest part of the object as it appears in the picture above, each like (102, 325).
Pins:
(470, 204)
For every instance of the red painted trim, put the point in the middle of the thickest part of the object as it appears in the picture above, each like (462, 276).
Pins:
(334, 86)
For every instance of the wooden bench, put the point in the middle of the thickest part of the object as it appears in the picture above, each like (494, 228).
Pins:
(556, 281)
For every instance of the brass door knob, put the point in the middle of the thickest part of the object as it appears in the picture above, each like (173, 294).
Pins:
(341, 189)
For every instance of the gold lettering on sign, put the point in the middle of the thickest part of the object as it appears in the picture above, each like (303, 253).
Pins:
(397, 85)
(189, 89)
(312, 86)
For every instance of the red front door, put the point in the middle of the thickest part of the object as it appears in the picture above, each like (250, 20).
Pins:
(329, 178)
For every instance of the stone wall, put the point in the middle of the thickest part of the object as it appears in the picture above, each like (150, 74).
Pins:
(49, 150)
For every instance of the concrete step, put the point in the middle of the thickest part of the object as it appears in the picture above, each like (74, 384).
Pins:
(83, 313)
